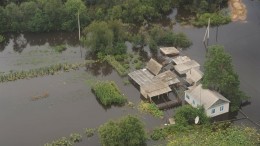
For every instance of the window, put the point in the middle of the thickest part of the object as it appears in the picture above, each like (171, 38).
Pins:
(187, 96)
(222, 108)
(213, 111)
(193, 102)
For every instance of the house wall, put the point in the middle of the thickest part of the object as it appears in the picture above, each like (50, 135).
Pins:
(193, 102)
(218, 110)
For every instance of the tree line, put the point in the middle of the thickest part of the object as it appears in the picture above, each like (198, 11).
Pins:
(61, 15)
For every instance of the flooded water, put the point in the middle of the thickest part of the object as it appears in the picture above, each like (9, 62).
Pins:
(72, 107)
(241, 40)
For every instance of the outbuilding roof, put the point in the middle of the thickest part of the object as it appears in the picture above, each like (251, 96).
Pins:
(153, 66)
(185, 67)
(169, 50)
(193, 75)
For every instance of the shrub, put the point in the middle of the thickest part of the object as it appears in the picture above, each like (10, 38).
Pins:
(60, 142)
(2, 38)
(158, 133)
(116, 65)
(90, 132)
(150, 108)
(128, 131)
(75, 137)
(108, 93)
(186, 115)
(59, 48)
(216, 19)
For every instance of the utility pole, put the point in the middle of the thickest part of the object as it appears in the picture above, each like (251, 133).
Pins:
(79, 35)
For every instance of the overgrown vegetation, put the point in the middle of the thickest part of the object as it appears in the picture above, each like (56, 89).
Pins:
(122, 71)
(43, 71)
(128, 131)
(186, 115)
(219, 75)
(2, 38)
(150, 108)
(216, 19)
(60, 142)
(90, 132)
(108, 93)
(59, 48)
(75, 137)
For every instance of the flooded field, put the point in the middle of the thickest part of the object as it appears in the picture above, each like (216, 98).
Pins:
(71, 106)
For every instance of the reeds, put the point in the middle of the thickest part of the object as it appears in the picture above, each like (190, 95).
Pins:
(43, 71)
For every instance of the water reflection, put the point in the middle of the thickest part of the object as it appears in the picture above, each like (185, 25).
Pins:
(20, 41)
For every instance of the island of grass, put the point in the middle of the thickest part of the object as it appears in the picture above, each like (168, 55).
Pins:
(108, 93)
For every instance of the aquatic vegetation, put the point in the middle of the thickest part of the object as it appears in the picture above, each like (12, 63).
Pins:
(108, 93)
(60, 142)
(43, 95)
(43, 71)
(90, 132)
(75, 137)
(122, 71)
(150, 108)
(59, 48)
(216, 19)
(2, 38)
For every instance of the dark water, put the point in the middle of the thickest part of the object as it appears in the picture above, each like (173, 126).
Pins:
(71, 107)
(242, 41)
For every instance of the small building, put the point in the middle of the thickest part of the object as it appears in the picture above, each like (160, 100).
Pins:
(193, 76)
(154, 88)
(181, 59)
(169, 51)
(185, 67)
(154, 67)
(214, 103)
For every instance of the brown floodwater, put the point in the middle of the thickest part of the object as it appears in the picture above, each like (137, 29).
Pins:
(72, 107)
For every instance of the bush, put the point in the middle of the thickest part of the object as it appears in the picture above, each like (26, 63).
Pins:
(216, 19)
(158, 133)
(150, 108)
(75, 137)
(90, 132)
(186, 115)
(108, 93)
(2, 38)
(128, 131)
(116, 65)
(60, 142)
(59, 48)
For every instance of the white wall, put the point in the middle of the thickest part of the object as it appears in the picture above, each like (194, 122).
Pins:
(217, 110)
(191, 99)
(209, 111)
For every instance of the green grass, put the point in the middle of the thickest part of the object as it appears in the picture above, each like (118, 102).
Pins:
(108, 93)
(216, 19)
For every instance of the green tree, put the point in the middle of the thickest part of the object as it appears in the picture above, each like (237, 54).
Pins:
(219, 75)
(98, 37)
(128, 131)
(186, 115)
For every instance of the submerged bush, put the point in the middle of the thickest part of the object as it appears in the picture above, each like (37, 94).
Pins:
(75, 137)
(43, 71)
(60, 142)
(2, 38)
(216, 19)
(122, 71)
(59, 48)
(108, 93)
(90, 132)
(150, 108)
